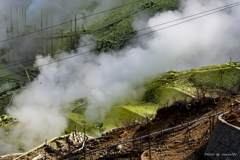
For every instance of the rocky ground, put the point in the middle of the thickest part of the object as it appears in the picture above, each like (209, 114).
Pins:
(186, 142)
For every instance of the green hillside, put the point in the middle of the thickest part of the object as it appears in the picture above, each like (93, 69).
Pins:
(112, 32)
(163, 91)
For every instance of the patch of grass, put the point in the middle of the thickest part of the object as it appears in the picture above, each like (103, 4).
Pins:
(115, 28)
(204, 81)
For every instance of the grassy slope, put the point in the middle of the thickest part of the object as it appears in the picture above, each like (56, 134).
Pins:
(219, 77)
(163, 88)
(112, 32)
(114, 119)
(115, 29)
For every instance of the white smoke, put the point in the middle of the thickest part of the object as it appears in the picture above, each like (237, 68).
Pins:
(63, 10)
(42, 118)
(206, 41)
(112, 78)
(24, 16)
(6, 148)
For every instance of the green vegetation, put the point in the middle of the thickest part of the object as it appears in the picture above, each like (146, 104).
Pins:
(162, 92)
(154, 6)
(186, 84)
(115, 28)
(111, 33)
(116, 118)
(13, 83)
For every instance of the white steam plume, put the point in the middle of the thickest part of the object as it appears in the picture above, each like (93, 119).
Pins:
(63, 10)
(6, 148)
(48, 108)
(112, 78)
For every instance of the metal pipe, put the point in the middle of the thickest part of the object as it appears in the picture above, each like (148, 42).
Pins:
(17, 19)
(45, 149)
(6, 19)
(71, 35)
(96, 138)
(82, 128)
(17, 32)
(84, 147)
(149, 141)
(41, 33)
(52, 34)
(22, 12)
(25, 21)
(61, 35)
(11, 21)
(46, 35)
(75, 31)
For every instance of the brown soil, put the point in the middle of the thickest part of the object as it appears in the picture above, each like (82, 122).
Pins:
(181, 143)
(233, 116)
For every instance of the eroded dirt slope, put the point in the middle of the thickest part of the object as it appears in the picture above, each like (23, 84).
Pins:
(180, 143)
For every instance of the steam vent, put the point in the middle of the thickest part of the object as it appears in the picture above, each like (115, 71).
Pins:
(129, 79)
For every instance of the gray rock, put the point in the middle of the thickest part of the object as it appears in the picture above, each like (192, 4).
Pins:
(120, 136)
